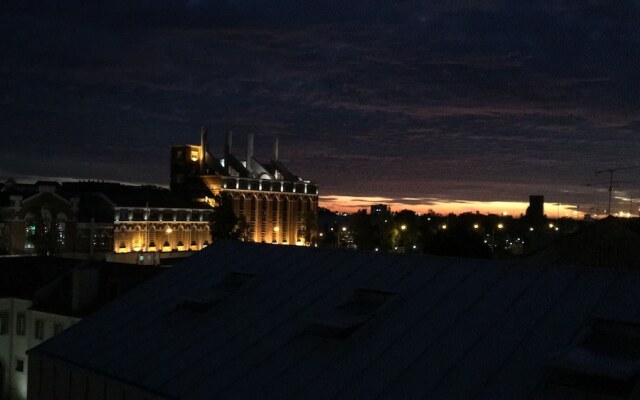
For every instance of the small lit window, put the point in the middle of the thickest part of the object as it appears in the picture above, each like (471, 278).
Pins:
(19, 365)
(60, 229)
(30, 240)
(194, 155)
(21, 324)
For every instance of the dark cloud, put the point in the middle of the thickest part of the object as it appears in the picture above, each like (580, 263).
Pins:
(402, 99)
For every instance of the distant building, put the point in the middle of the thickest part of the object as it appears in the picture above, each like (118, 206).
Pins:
(42, 296)
(378, 209)
(277, 206)
(535, 211)
(147, 224)
(281, 322)
(111, 221)
(25, 207)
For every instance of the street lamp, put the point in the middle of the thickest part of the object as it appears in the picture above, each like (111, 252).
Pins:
(403, 227)
(493, 236)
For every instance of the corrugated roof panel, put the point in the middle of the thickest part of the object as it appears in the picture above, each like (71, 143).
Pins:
(284, 306)
(470, 374)
(220, 324)
(523, 373)
(461, 328)
(374, 274)
(402, 334)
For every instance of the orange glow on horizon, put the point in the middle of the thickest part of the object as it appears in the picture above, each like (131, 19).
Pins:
(350, 204)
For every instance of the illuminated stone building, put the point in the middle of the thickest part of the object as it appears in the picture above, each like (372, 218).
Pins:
(139, 224)
(111, 221)
(36, 218)
(277, 206)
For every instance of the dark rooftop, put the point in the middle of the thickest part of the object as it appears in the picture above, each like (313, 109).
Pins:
(314, 323)
(48, 281)
(21, 277)
(131, 196)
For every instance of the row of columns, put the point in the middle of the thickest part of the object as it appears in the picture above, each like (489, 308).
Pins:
(275, 219)
(161, 237)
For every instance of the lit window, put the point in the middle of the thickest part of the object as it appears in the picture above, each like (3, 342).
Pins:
(30, 240)
(60, 233)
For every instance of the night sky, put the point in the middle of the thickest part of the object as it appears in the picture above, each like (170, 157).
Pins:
(416, 103)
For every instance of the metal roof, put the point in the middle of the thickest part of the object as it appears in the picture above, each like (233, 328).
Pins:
(451, 328)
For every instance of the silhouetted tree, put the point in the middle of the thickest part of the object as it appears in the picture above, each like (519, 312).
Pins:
(363, 232)
(457, 241)
(224, 220)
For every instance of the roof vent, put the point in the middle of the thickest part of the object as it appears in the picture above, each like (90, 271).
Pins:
(201, 301)
(341, 322)
(606, 362)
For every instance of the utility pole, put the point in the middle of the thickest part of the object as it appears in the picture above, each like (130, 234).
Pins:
(611, 171)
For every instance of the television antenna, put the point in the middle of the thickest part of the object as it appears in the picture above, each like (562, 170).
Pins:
(611, 171)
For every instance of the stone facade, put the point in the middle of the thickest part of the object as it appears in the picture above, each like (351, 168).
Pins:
(38, 221)
(275, 205)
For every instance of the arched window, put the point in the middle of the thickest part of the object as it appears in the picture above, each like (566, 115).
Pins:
(136, 241)
(152, 238)
(180, 237)
(30, 231)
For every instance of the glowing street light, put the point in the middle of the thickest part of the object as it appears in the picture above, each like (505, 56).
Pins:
(403, 227)
(476, 226)
(500, 226)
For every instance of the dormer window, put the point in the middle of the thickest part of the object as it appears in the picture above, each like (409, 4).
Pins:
(605, 362)
(202, 300)
(341, 322)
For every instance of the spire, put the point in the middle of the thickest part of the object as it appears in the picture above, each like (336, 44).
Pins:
(203, 149)
(227, 152)
(275, 149)
(249, 152)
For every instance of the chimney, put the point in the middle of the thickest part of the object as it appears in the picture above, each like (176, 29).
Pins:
(75, 201)
(227, 152)
(84, 286)
(16, 200)
(249, 151)
(275, 149)
(203, 149)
